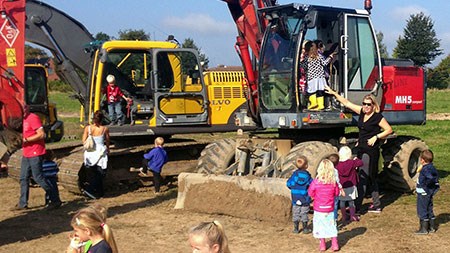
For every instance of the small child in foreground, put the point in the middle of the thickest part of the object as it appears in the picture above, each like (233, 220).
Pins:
(427, 187)
(299, 183)
(208, 237)
(323, 191)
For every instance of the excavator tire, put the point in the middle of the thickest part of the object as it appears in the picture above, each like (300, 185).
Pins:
(217, 157)
(315, 151)
(14, 164)
(401, 159)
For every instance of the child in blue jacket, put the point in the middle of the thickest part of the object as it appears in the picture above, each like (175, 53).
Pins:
(299, 183)
(154, 161)
(427, 186)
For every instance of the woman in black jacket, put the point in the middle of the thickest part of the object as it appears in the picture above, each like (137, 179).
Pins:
(372, 128)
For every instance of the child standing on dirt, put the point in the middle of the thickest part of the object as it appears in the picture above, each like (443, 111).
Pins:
(89, 225)
(298, 183)
(348, 176)
(427, 187)
(208, 237)
(323, 191)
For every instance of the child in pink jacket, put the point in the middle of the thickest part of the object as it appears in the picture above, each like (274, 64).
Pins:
(323, 190)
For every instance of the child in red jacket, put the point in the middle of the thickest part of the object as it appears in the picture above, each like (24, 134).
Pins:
(323, 190)
(348, 176)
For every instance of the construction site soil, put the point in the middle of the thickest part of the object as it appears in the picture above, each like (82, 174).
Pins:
(145, 222)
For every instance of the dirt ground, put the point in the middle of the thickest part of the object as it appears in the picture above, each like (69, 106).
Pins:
(143, 222)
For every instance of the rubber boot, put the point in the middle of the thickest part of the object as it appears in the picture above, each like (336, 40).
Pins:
(306, 230)
(320, 103)
(312, 102)
(334, 244)
(322, 245)
(344, 216)
(353, 216)
(432, 228)
(296, 230)
(423, 230)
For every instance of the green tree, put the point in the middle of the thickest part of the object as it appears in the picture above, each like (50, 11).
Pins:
(439, 77)
(189, 43)
(419, 42)
(34, 53)
(383, 49)
(130, 34)
(102, 36)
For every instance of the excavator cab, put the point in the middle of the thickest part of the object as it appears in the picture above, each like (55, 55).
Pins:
(354, 72)
(158, 77)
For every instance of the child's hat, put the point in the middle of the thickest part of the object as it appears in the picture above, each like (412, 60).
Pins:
(110, 79)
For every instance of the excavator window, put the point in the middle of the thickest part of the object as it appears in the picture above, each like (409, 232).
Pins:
(362, 55)
(165, 72)
(276, 63)
(36, 86)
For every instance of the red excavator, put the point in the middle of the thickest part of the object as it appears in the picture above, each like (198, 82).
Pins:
(269, 42)
(21, 83)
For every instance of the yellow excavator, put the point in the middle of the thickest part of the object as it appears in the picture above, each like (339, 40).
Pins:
(166, 85)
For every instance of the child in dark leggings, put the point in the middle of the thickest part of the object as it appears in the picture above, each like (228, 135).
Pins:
(154, 161)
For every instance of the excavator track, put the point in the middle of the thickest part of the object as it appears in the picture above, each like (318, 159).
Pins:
(182, 153)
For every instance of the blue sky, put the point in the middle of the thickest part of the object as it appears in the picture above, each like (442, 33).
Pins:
(209, 23)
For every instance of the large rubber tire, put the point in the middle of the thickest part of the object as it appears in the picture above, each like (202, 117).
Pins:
(14, 165)
(315, 151)
(401, 159)
(217, 157)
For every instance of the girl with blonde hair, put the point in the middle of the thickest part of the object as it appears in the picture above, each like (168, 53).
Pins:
(348, 176)
(89, 224)
(323, 190)
(208, 237)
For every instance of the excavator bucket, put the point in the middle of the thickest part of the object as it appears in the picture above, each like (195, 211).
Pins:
(250, 197)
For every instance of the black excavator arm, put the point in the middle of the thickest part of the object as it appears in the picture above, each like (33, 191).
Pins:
(66, 38)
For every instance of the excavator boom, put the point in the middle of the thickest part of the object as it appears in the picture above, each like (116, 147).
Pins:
(65, 37)
(250, 26)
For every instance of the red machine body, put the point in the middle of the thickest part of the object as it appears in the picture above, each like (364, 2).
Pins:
(399, 88)
(12, 41)
(403, 89)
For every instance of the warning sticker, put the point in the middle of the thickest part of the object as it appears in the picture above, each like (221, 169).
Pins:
(11, 57)
(9, 32)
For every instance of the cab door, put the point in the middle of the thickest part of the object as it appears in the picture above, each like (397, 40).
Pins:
(180, 94)
(361, 68)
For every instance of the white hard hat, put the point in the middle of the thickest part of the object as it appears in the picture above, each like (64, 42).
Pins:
(110, 79)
